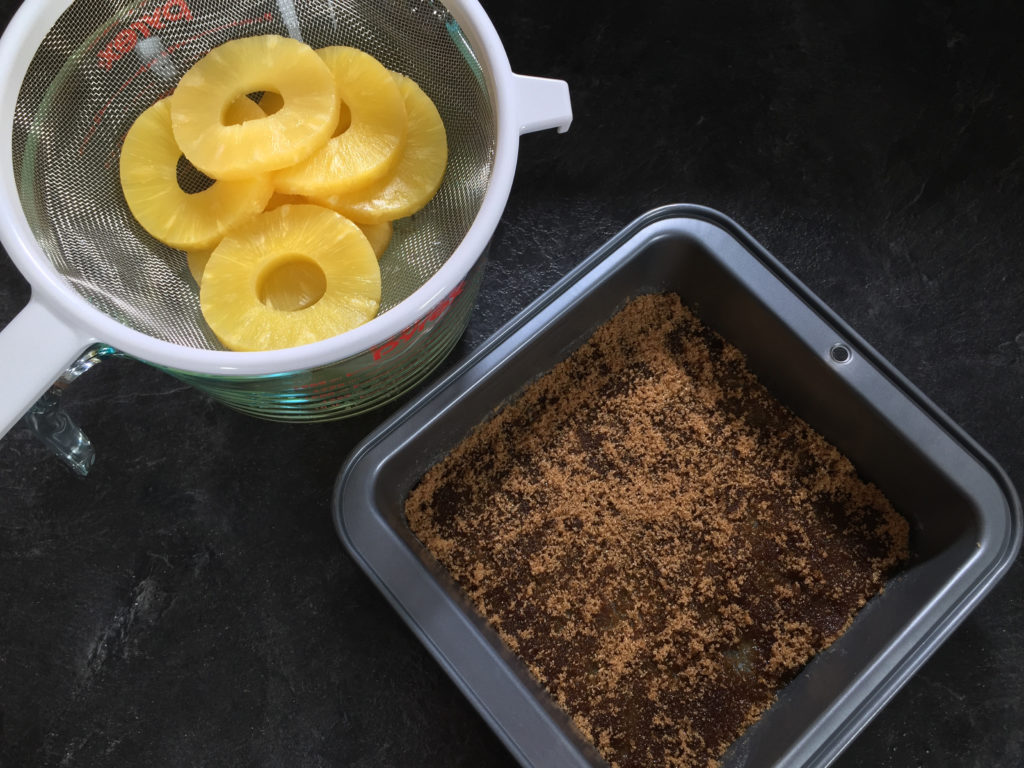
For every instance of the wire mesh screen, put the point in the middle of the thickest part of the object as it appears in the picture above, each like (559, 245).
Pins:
(103, 63)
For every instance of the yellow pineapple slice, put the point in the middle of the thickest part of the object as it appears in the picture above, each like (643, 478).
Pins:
(197, 263)
(419, 171)
(263, 63)
(369, 146)
(271, 101)
(294, 275)
(241, 109)
(197, 258)
(379, 235)
(278, 199)
(149, 180)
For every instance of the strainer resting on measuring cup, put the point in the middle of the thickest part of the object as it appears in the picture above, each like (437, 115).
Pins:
(77, 74)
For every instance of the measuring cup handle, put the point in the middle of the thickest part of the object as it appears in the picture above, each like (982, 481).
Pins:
(542, 103)
(36, 347)
(50, 423)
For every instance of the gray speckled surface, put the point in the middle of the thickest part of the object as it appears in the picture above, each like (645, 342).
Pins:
(189, 603)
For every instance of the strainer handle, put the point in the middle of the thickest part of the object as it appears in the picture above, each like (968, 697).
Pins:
(542, 103)
(36, 348)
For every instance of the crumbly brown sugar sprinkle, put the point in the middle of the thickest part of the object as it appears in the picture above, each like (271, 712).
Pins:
(658, 538)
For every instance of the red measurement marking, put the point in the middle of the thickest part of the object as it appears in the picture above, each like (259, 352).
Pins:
(141, 28)
(403, 338)
(98, 117)
(416, 328)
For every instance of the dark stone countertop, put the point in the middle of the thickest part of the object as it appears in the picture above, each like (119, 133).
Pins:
(189, 602)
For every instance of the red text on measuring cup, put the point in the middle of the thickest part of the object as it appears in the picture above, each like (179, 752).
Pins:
(416, 328)
(125, 40)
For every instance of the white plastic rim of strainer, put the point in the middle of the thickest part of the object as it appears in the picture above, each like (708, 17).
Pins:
(58, 324)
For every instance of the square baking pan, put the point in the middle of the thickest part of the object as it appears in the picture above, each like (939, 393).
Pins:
(965, 517)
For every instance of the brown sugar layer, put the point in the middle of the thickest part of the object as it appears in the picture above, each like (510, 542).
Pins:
(659, 539)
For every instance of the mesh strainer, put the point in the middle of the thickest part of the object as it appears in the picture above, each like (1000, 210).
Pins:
(78, 73)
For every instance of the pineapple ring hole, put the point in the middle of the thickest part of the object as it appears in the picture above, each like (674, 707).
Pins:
(291, 283)
(270, 101)
(191, 180)
(344, 119)
(237, 113)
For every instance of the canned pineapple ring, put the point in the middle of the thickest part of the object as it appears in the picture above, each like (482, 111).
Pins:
(290, 276)
(247, 65)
